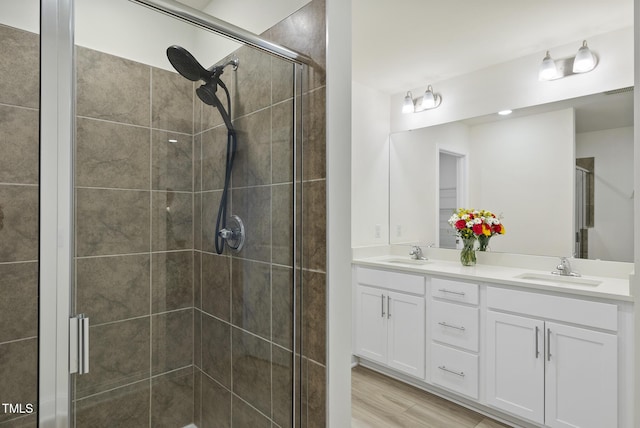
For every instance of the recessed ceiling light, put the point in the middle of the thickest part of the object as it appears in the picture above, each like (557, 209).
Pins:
(505, 112)
(173, 140)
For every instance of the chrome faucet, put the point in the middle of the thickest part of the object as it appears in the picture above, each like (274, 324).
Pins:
(416, 253)
(564, 268)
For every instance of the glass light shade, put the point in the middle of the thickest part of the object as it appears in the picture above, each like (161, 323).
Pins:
(584, 60)
(428, 99)
(548, 69)
(407, 106)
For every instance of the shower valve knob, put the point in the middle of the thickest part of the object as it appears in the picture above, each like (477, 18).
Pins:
(226, 234)
(234, 234)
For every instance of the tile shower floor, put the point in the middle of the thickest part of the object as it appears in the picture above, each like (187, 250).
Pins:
(378, 401)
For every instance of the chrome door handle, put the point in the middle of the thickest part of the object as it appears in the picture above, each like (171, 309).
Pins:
(537, 348)
(382, 296)
(548, 344)
(459, 293)
(444, 324)
(388, 307)
(444, 368)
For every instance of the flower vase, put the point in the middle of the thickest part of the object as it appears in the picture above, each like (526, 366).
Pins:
(468, 253)
(483, 242)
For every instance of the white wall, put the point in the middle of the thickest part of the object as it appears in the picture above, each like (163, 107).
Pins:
(253, 15)
(515, 84)
(523, 169)
(128, 30)
(24, 14)
(611, 238)
(369, 166)
(339, 154)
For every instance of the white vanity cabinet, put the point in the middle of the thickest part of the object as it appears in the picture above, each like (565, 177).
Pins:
(390, 319)
(541, 368)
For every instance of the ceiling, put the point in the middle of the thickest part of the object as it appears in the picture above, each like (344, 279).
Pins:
(403, 44)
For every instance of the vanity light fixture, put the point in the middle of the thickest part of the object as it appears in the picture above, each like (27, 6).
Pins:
(408, 106)
(428, 101)
(583, 62)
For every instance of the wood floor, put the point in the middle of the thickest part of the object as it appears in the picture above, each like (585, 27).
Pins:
(379, 401)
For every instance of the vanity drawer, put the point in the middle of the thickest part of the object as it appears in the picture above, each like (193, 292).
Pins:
(455, 370)
(397, 281)
(455, 325)
(456, 291)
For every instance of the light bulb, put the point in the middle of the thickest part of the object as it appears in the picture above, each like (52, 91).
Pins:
(584, 60)
(548, 69)
(408, 106)
(428, 99)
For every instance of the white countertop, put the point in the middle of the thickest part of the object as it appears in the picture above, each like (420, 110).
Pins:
(606, 288)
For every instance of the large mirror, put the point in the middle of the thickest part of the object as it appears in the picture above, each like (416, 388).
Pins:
(559, 175)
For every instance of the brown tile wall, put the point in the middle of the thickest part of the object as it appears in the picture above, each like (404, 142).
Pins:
(246, 349)
(134, 242)
(19, 99)
(304, 31)
(243, 352)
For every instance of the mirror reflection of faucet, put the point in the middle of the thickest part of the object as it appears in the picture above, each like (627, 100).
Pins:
(416, 253)
(564, 268)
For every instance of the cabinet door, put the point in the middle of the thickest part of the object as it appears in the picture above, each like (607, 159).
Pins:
(371, 326)
(581, 379)
(515, 365)
(406, 324)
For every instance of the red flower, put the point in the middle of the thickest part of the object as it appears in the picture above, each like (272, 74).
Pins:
(477, 229)
(461, 224)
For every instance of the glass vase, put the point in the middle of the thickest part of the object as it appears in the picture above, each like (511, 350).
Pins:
(483, 242)
(468, 252)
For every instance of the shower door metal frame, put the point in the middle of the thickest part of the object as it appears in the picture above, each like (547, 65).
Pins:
(56, 247)
(57, 98)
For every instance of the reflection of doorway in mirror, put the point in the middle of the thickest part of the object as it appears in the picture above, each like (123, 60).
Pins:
(450, 195)
(584, 210)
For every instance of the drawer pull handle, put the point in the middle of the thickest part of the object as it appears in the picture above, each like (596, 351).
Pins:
(459, 293)
(444, 324)
(443, 368)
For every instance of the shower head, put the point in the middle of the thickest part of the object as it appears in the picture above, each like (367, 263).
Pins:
(189, 67)
(186, 64)
(207, 93)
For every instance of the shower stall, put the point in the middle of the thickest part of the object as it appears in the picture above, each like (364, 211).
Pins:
(155, 260)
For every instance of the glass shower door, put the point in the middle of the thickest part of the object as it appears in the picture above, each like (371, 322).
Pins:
(180, 334)
(19, 187)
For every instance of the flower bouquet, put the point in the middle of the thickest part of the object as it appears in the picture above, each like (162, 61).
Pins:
(470, 225)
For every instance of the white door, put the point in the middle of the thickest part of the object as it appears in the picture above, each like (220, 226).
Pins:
(371, 326)
(515, 365)
(406, 324)
(581, 379)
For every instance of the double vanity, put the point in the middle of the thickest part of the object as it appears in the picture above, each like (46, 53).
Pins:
(505, 337)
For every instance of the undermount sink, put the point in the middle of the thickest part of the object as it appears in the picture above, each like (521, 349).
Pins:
(407, 261)
(558, 279)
